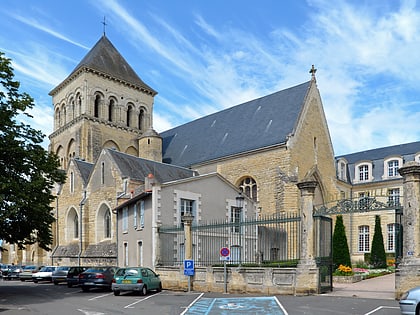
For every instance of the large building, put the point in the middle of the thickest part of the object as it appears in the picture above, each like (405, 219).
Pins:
(104, 136)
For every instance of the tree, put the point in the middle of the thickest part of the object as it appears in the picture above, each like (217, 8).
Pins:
(27, 171)
(341, 253)
(377, 254)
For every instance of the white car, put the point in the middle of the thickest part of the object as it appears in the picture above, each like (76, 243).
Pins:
(44, 274)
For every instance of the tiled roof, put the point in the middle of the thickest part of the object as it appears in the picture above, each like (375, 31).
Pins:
(253, 125)
(106, 59)
(84, 168)
(139, 168)
(381, 153)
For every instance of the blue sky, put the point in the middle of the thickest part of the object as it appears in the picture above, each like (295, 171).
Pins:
(204, 56)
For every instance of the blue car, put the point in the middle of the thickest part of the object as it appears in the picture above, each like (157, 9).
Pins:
(136, 279)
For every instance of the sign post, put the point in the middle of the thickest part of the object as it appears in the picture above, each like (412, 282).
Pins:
(189, 271)
(225, 256)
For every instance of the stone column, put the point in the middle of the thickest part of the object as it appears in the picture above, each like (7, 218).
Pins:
(187, 219)
(408, 272)
(307, 271)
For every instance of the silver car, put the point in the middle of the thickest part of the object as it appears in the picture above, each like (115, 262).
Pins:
(410, 302)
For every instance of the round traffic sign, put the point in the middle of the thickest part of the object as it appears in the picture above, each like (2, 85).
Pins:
(225, 252)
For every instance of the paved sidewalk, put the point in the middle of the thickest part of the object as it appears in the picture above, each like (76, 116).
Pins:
(376, 288)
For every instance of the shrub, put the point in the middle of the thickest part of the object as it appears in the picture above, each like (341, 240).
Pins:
(341, 253)
(378, 255)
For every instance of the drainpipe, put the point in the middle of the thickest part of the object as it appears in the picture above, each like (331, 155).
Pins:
(116, 229)
(82, 203)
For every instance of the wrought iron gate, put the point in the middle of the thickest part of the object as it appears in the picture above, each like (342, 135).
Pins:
(323, 252)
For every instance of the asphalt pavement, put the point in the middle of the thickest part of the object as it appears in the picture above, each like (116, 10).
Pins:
(382, 287)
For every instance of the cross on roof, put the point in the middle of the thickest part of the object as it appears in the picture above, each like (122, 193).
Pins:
(104, 23)
(312, 72)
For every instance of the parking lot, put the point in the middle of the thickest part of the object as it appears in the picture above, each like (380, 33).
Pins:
(18, 297)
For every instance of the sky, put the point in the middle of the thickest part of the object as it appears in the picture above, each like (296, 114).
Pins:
(204, 56)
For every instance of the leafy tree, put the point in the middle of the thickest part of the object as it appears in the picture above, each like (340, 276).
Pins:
(341, 253)
(377, 254)
(27, 171)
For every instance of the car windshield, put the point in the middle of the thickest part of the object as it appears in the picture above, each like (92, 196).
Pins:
(29, 268)
(63, 268)
(127, 272)
(96, 269)
(47, 269)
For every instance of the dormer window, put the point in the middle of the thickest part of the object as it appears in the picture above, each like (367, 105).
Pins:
(391, 166)
(342, 169)
(417, 158)
(363, 172)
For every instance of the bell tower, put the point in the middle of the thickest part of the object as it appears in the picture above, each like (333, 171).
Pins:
(102, 103)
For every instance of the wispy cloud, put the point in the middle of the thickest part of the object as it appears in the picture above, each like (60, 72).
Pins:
(35, 24)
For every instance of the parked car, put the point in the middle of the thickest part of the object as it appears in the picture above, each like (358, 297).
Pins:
(97, 277)
(73, 275)
(44, 274)
(28, 272)
(137, 279)
(13, 273)
(410, 302)
(60, 274)
(5, 270)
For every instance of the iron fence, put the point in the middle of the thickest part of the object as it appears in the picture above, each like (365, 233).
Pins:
(265, 241)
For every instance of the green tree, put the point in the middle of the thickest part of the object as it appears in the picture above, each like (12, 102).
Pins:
(27, 171)
(377, 254)
(341, 253)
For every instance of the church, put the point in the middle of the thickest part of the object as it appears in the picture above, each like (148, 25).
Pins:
(104, 137)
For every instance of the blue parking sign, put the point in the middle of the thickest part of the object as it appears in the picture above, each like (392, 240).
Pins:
(188, 267)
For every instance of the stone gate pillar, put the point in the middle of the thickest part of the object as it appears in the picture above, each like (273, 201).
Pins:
(408, 272)
(307, 271)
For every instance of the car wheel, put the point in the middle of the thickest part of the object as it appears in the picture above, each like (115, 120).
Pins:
(143, 290)
(35, 281)
(85, 289)
(159, 289)
(55, 282)
(23, 280)
(116, 292)
(418, 309)
(69, 285)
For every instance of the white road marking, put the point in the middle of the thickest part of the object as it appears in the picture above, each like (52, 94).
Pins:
(100, 296)
(381, 307)
(138, 301)
(90, 312)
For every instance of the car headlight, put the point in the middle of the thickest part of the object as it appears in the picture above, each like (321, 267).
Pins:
(404, 296)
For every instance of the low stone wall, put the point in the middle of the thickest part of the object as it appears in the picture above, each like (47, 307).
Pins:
(239, 280)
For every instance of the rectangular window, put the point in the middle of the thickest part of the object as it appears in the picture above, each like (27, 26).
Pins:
(187, 207)
(125, 220)
(363, 173)
(135, 214)
(125, 254)
(390, 244)
(393, 168)
(103, 173)
(235, 217)
(71, 182)
(140, 253)
(364, 201)
(394, 197)
(142, 214)
(364, 239)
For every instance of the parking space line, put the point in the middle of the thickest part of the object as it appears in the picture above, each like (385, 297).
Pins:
(192, 303)
(138, 301)
(100, 296)
(381, 307)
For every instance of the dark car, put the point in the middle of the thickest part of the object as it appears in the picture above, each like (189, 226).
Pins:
(60, 274)
(73, 275)
(136, 279)
(97, 277)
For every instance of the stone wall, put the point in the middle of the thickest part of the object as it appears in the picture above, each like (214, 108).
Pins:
(239, 280)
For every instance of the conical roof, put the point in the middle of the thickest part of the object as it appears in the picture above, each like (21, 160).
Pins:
(105, 58)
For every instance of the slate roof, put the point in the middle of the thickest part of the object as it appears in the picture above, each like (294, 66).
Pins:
(106, 59)
(85, 168)
(138, 168)
(256, 124)
(381, 153)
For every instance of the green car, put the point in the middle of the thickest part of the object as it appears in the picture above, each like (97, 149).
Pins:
(136, 279)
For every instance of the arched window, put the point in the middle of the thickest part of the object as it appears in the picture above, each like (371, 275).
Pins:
(96, 106)
(107, 224)
(129, 110)
(141, 119)
(249, 187)
(76, 226)
(111, 109)
(73, 225)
